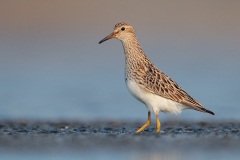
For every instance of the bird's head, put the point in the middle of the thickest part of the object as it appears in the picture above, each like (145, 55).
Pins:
(122, 31)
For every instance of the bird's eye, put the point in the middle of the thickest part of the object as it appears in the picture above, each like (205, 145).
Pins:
(122, 28)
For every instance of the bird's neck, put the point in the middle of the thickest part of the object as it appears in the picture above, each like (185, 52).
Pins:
(135, 59)
(132, 48)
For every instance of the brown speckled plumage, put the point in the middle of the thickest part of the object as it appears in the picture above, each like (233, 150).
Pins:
(140, 70)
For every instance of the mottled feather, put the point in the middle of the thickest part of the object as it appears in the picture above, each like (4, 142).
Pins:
(147, 83)
(140, 69)
(156, 82)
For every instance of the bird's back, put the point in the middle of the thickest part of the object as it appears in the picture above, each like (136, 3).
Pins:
(140, 69)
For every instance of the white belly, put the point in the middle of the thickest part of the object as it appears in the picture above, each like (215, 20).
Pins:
(152, 101)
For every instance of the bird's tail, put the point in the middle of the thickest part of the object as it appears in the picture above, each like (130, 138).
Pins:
(207, 111)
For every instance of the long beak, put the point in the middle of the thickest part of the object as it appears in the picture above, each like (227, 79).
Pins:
(110, 36)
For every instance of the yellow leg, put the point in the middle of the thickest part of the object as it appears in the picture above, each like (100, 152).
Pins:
(158, 124)
(146, 124)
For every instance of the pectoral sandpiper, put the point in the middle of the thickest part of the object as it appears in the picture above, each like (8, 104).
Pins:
(147, 83)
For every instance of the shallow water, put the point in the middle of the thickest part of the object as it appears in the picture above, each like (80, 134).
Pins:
(117, 140)
(89, 96)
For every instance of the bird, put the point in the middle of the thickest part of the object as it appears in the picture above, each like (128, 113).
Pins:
(147, 83)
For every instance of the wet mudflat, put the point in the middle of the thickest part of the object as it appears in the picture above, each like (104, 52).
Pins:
(214, 139)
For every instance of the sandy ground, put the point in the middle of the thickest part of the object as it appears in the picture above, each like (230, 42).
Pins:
(178, 136)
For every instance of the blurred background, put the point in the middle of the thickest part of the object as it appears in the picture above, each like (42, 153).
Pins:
(52, 67)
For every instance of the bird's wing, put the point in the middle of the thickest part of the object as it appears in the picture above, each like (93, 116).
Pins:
(157, 82)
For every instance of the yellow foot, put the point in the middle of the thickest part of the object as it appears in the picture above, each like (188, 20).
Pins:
(146, 124)
(143, 127)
